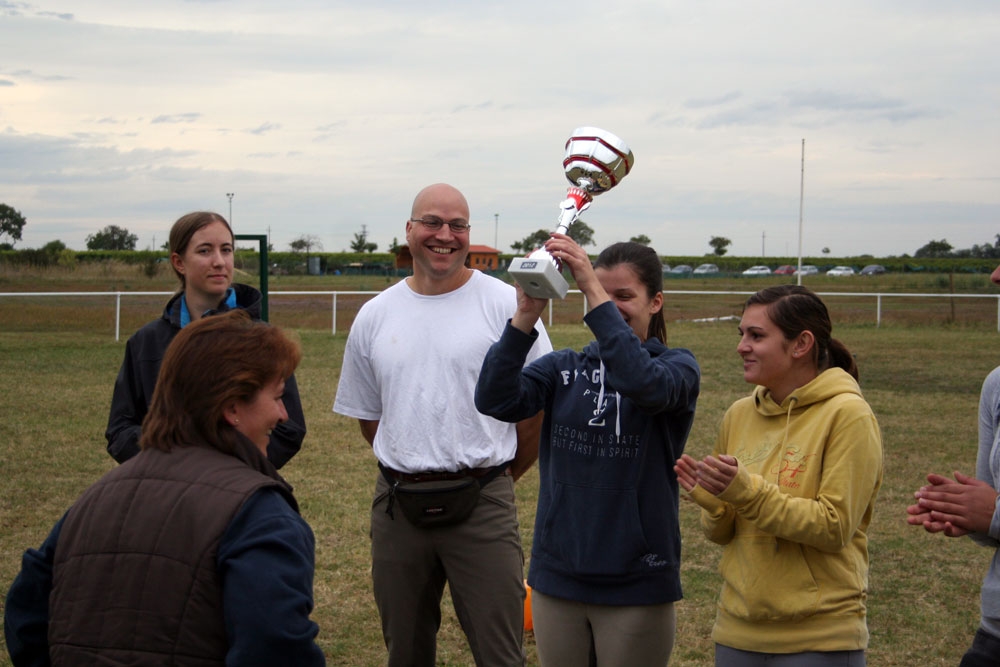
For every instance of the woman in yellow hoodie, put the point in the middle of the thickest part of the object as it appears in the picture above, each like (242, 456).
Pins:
(789, 492)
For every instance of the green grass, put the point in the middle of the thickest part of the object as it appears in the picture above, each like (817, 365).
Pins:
(922, 381)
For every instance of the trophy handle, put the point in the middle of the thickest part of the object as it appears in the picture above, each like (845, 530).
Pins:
(577, 201)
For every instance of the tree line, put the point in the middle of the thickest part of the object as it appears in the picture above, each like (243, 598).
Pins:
(113, 237)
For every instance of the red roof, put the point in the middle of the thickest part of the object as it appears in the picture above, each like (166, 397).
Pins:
(483, 249)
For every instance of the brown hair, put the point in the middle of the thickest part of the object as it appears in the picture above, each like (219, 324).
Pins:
(795, 309)
(647, 266)
(185, 228)
(210, 364)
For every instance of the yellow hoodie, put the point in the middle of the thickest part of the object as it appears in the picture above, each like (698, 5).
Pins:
(794, 521)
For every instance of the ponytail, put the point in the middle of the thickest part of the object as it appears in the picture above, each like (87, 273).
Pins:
(841, 357)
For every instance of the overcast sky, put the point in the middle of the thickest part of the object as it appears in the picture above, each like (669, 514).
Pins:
(325, 118)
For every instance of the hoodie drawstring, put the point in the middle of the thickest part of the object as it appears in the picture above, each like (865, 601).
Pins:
(618, 403)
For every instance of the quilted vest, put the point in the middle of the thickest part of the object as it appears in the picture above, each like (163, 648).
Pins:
(134, 577)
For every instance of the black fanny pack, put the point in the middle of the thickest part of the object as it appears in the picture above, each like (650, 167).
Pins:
(435, 503)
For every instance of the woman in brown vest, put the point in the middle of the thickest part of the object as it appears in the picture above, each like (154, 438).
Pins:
(193, 551)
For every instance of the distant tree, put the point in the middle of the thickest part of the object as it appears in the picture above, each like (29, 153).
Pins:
(11, 223)
(532, 241)
(361, 244)
(54, 247)
(641, 238)
(826, 251)
(720, 244)
(306, 243)
(935, 249)
(394, 248)
(579, 231)
(985, 251)
(112, 237)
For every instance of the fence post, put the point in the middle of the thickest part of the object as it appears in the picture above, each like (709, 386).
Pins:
(118, 315)
(878, 311)
(333, 331)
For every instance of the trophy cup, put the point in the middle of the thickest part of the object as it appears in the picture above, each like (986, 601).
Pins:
(595, 162)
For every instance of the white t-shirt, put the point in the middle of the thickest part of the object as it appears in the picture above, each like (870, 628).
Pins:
(412, 362)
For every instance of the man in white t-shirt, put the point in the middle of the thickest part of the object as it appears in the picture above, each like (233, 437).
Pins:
(411, 363)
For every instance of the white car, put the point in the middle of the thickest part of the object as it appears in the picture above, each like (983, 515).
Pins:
(807, 270)
(706, 268)
(840, 271)
(759, 270)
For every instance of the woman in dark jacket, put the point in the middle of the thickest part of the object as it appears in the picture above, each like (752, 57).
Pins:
(201, 255)
(605, 560)
(193, 551)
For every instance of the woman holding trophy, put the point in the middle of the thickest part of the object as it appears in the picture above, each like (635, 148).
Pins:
(605, 560)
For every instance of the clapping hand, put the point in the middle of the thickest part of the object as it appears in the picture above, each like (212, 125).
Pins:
(712, 473)
(953, 507)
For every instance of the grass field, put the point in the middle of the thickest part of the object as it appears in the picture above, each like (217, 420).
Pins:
(922, 381)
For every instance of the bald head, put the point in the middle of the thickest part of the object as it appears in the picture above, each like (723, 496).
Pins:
(438, 194)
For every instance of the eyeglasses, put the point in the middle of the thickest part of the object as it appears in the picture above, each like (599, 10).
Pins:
(434, 224)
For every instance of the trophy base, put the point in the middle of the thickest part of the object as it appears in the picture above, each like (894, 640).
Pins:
(539, 278)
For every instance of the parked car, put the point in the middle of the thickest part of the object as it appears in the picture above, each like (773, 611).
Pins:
(840, 271)
(680, 270)
(706, 268)
(759, 270)
(785, 270)
(666, 269)
(807, 270)
(873, 270)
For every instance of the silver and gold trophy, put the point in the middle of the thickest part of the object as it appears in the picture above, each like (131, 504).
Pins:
(595, 162)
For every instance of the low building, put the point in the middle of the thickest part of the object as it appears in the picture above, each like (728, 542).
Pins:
(481, 257)
(484, 258)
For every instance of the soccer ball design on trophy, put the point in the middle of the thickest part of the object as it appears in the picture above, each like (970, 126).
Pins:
(595, 162)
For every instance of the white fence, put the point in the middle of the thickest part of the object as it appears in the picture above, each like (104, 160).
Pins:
(878, 298)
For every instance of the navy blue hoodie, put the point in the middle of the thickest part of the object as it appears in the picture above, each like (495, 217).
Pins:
(617, 416)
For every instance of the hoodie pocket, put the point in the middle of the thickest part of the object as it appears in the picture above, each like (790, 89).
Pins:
(592, 531)
(767, 580)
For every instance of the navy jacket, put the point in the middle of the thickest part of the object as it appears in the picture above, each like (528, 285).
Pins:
(137, 378)
(617, 416)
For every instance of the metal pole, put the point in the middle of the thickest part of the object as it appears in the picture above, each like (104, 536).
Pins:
(230, 196)
(496, 227)
(802, 188)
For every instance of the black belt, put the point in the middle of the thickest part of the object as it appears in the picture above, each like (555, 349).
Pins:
(441, 476)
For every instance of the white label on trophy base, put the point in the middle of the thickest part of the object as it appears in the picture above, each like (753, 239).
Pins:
(539, 278)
